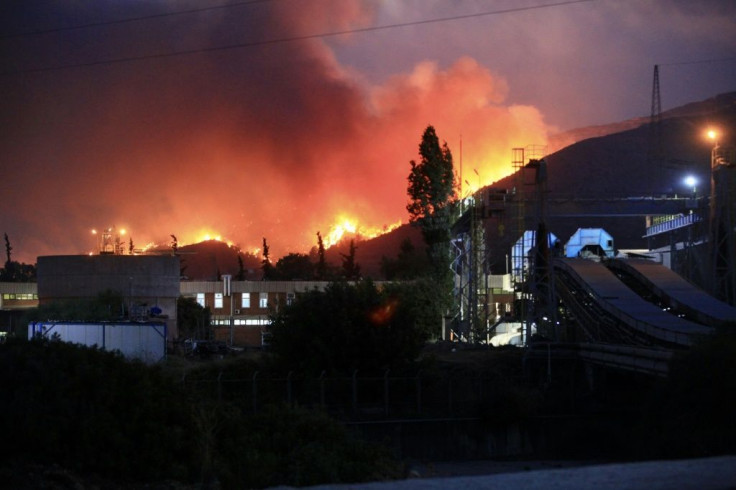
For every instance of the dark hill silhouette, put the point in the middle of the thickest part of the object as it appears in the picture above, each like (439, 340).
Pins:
(567, 138)
(369, 253)
(207, 261)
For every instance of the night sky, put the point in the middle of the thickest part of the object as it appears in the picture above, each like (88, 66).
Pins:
(268, 125)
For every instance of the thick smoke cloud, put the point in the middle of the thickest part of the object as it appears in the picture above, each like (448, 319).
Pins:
(275, 139)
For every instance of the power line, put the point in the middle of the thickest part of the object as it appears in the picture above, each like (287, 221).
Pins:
(130, 19)
(293, 38)
(696, 62)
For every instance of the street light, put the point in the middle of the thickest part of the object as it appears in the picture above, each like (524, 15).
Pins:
(692, 182)
(713, 136)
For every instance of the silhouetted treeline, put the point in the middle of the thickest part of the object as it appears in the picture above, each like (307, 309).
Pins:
(94, 413)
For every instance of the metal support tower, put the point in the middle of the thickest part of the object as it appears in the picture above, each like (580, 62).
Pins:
(655, 129)
(541, 280)
(655, 150)
(469, 265)
(722, 222)
(525, 181)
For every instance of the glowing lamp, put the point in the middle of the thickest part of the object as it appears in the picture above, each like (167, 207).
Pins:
(692, 182)
(712, 135)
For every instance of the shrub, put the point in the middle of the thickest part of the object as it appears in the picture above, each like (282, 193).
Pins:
(91, 411)
(293, 446)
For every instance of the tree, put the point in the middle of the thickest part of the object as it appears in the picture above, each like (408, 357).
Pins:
(192, 319)
(431, 197)
(18, 272)
(108, 305)
(353, 326)
(294, 266)
(321, 270)
(266, 265)
(350, 269)
(241, 269)
(409, 264)
(8, 248)
(15, 271)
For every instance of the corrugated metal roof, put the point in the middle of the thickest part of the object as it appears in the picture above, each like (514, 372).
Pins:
(671, 286)
(623, 303)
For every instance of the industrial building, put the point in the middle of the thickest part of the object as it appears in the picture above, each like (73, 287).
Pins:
(239, 309)
(589, 294)
(149, 284)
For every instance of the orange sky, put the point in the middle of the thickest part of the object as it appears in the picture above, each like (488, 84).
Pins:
(278, 140)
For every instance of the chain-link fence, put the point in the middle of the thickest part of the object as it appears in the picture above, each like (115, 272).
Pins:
(359, 397)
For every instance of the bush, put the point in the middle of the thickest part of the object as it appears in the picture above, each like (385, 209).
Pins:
(92, 412)
(297, 447)
(348, 327)
(83, 411)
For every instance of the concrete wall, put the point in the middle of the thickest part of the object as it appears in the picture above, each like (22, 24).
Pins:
(150, 280)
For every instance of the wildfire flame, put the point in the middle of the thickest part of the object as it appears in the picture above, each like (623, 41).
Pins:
(345, 226)
(207, 235)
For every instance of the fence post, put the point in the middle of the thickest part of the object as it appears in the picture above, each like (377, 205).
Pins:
(255, 392)
(322, 389)
(355, 392)
(385, 391)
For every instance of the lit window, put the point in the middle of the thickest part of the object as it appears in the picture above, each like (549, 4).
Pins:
(218, 300)
(263, 300)
(200, 299)
(245, 300)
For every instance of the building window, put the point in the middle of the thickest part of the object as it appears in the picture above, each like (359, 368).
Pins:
(218, 300)
(263, 300)
(200, 299)
(20, 296)
(245, 300)
(289, 298)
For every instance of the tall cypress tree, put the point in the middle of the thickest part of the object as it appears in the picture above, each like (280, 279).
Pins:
(431, 193)
(266, 265)
(321, 271)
